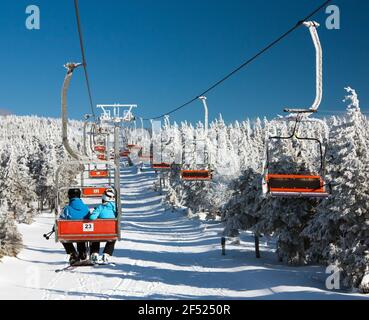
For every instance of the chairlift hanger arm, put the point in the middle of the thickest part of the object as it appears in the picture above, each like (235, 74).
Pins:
(70, 69)
(312, 25)
(64, 112)
(293, 134)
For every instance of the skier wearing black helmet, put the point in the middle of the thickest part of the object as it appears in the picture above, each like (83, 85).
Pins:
(75, 210)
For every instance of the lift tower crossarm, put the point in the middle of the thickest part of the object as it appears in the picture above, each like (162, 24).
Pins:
(112, 112)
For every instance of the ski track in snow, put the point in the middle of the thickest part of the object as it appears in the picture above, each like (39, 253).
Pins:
(163, 255)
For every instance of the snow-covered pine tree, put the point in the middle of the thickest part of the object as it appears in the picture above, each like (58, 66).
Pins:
(242, 210)
(340, 231)
(10, 238)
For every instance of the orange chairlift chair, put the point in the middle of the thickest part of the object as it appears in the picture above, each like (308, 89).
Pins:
(133, 147)
(307, 185)
(196, 175)
(97, 174)
(98, 138)
(145, 156)
(204, 174)
(159, 165)
(125, 153)
(100, 148)
(141, 145)
(86, 230)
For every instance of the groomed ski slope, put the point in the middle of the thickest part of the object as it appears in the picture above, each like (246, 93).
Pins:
(163, 255)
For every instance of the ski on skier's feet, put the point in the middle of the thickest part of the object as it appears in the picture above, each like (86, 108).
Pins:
(71, 267)
(67, 268)
(99, 264)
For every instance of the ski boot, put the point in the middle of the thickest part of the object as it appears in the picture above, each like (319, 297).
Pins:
(106, 258)
(73, 259)
(95, 259)
(82, 256)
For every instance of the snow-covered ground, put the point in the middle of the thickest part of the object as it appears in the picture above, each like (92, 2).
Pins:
(163, 255)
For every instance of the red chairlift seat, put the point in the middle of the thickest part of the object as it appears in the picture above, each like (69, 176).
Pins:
(134, 147)
(93, 192)
(196, 175)
(98, 174)
(100, 148)
(102, 157)
(87, 230)
(296, 185)
(146, 157)
(161, 166)
(125, 154)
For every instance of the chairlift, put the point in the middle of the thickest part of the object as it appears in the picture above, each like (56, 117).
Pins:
(87, 230)
(133, 147)
(296, 185)
(102, 157)
(100, 148)
(200, 174)
(161, 166)
(82, 230)
(93, 192)
(125, 154)
(300, 185)
(145, 157)
(67, 231)
(95, 174)
(196, 175)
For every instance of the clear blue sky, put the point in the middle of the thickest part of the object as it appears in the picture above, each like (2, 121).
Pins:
(160, 53)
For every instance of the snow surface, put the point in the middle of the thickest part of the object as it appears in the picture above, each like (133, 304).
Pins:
(163, 255)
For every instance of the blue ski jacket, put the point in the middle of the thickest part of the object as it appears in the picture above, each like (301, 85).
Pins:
(76, 210)
(104, 211)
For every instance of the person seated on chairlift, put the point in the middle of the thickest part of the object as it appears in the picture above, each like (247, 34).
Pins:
(75, 210)
(106, 210)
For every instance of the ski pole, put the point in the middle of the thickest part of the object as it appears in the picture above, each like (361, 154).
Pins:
(48, 235)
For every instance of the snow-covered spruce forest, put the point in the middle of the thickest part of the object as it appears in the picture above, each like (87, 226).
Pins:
(30, 152)
(331, 231)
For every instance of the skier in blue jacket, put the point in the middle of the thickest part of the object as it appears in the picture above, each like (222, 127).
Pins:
(75, 210)
(106, 210)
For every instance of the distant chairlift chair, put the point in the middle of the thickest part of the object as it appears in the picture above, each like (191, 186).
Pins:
(200, 174)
